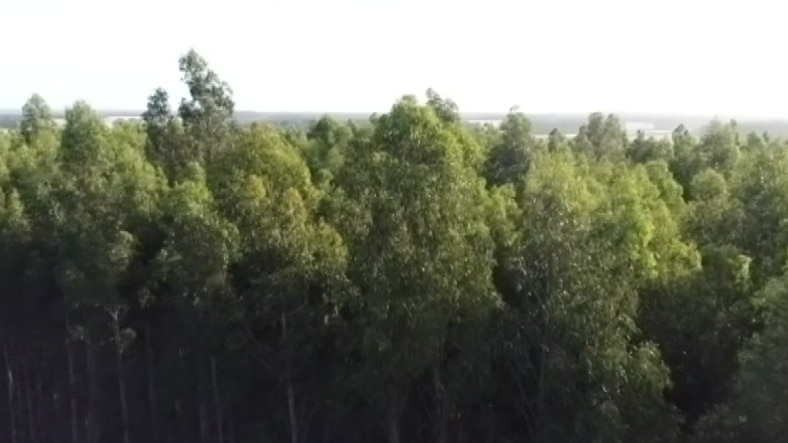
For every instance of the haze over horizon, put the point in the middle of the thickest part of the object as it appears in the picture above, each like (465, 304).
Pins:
(565, 56)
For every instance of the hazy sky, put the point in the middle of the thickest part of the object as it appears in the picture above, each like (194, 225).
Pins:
(687, 56)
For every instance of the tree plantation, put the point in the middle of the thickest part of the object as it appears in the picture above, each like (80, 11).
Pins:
(411, 278)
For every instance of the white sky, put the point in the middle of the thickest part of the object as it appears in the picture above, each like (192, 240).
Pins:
(685, 56)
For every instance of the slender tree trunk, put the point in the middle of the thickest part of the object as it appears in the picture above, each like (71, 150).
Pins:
(41, 410)
(124, 407)
(180, 422)
(72, 388)
(93, 393)
(291, 401)
(202, 392)
(217, 404)
(10, 384)
(19, 397)
(203, 418)
(31, 415)
(291, 409)
(441, 409)
(392, 421)
(151, 383)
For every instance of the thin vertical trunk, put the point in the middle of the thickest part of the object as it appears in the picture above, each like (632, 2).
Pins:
(31, 415)
(72, 388)
(182, 430)
(203, 418)
(41, 411)
(124, 408)
(291, 409)
(441, 409)
(490, 434)
(392, 421)
(217, 404)
(18, 396)
(151, 383)
(291, 402)
(92, 419)
(10, 384)
(202, 392)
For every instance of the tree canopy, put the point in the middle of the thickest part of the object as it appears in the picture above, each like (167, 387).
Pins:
(411, 277)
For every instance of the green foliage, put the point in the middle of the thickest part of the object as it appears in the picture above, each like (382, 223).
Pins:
(410, 277)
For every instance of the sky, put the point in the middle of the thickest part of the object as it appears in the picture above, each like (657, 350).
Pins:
(697, 57)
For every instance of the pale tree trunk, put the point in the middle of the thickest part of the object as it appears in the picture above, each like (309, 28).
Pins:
(151, 382)
(291, 409)
(217, 405)
(124, 409)
(10, 384)
(291, 401)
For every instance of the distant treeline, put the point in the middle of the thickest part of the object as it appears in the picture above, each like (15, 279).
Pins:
(541, 123)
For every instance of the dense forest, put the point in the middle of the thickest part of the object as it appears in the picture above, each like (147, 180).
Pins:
(407, 278)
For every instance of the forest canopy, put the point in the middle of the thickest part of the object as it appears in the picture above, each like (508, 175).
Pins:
(406, 278)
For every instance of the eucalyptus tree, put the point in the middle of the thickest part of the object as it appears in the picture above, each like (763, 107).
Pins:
(420, 255)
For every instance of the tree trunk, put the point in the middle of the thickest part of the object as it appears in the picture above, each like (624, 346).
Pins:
(19, 396)
(124, 407)
(28, 390)
(291, 409)
(93, 394)
(202, 392)
(72, 387)
(441, 409)
(10, 384)
(217, 404)
(392, 421)
(151, 383)
(203, 419)
(490, 429)
(230, 432)
(291, 401)
(180, 422)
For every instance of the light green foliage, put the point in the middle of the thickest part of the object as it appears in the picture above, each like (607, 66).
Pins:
(760, 186)
(420, 249)
(601, 137)
(582, 224)
(714, 216)
(200, 244)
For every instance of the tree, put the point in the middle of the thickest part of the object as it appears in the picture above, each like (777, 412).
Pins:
(509, 159)
(36, 121)
(420, 255)
(206, 116)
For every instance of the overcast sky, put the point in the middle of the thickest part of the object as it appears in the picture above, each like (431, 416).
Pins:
(686, 56)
